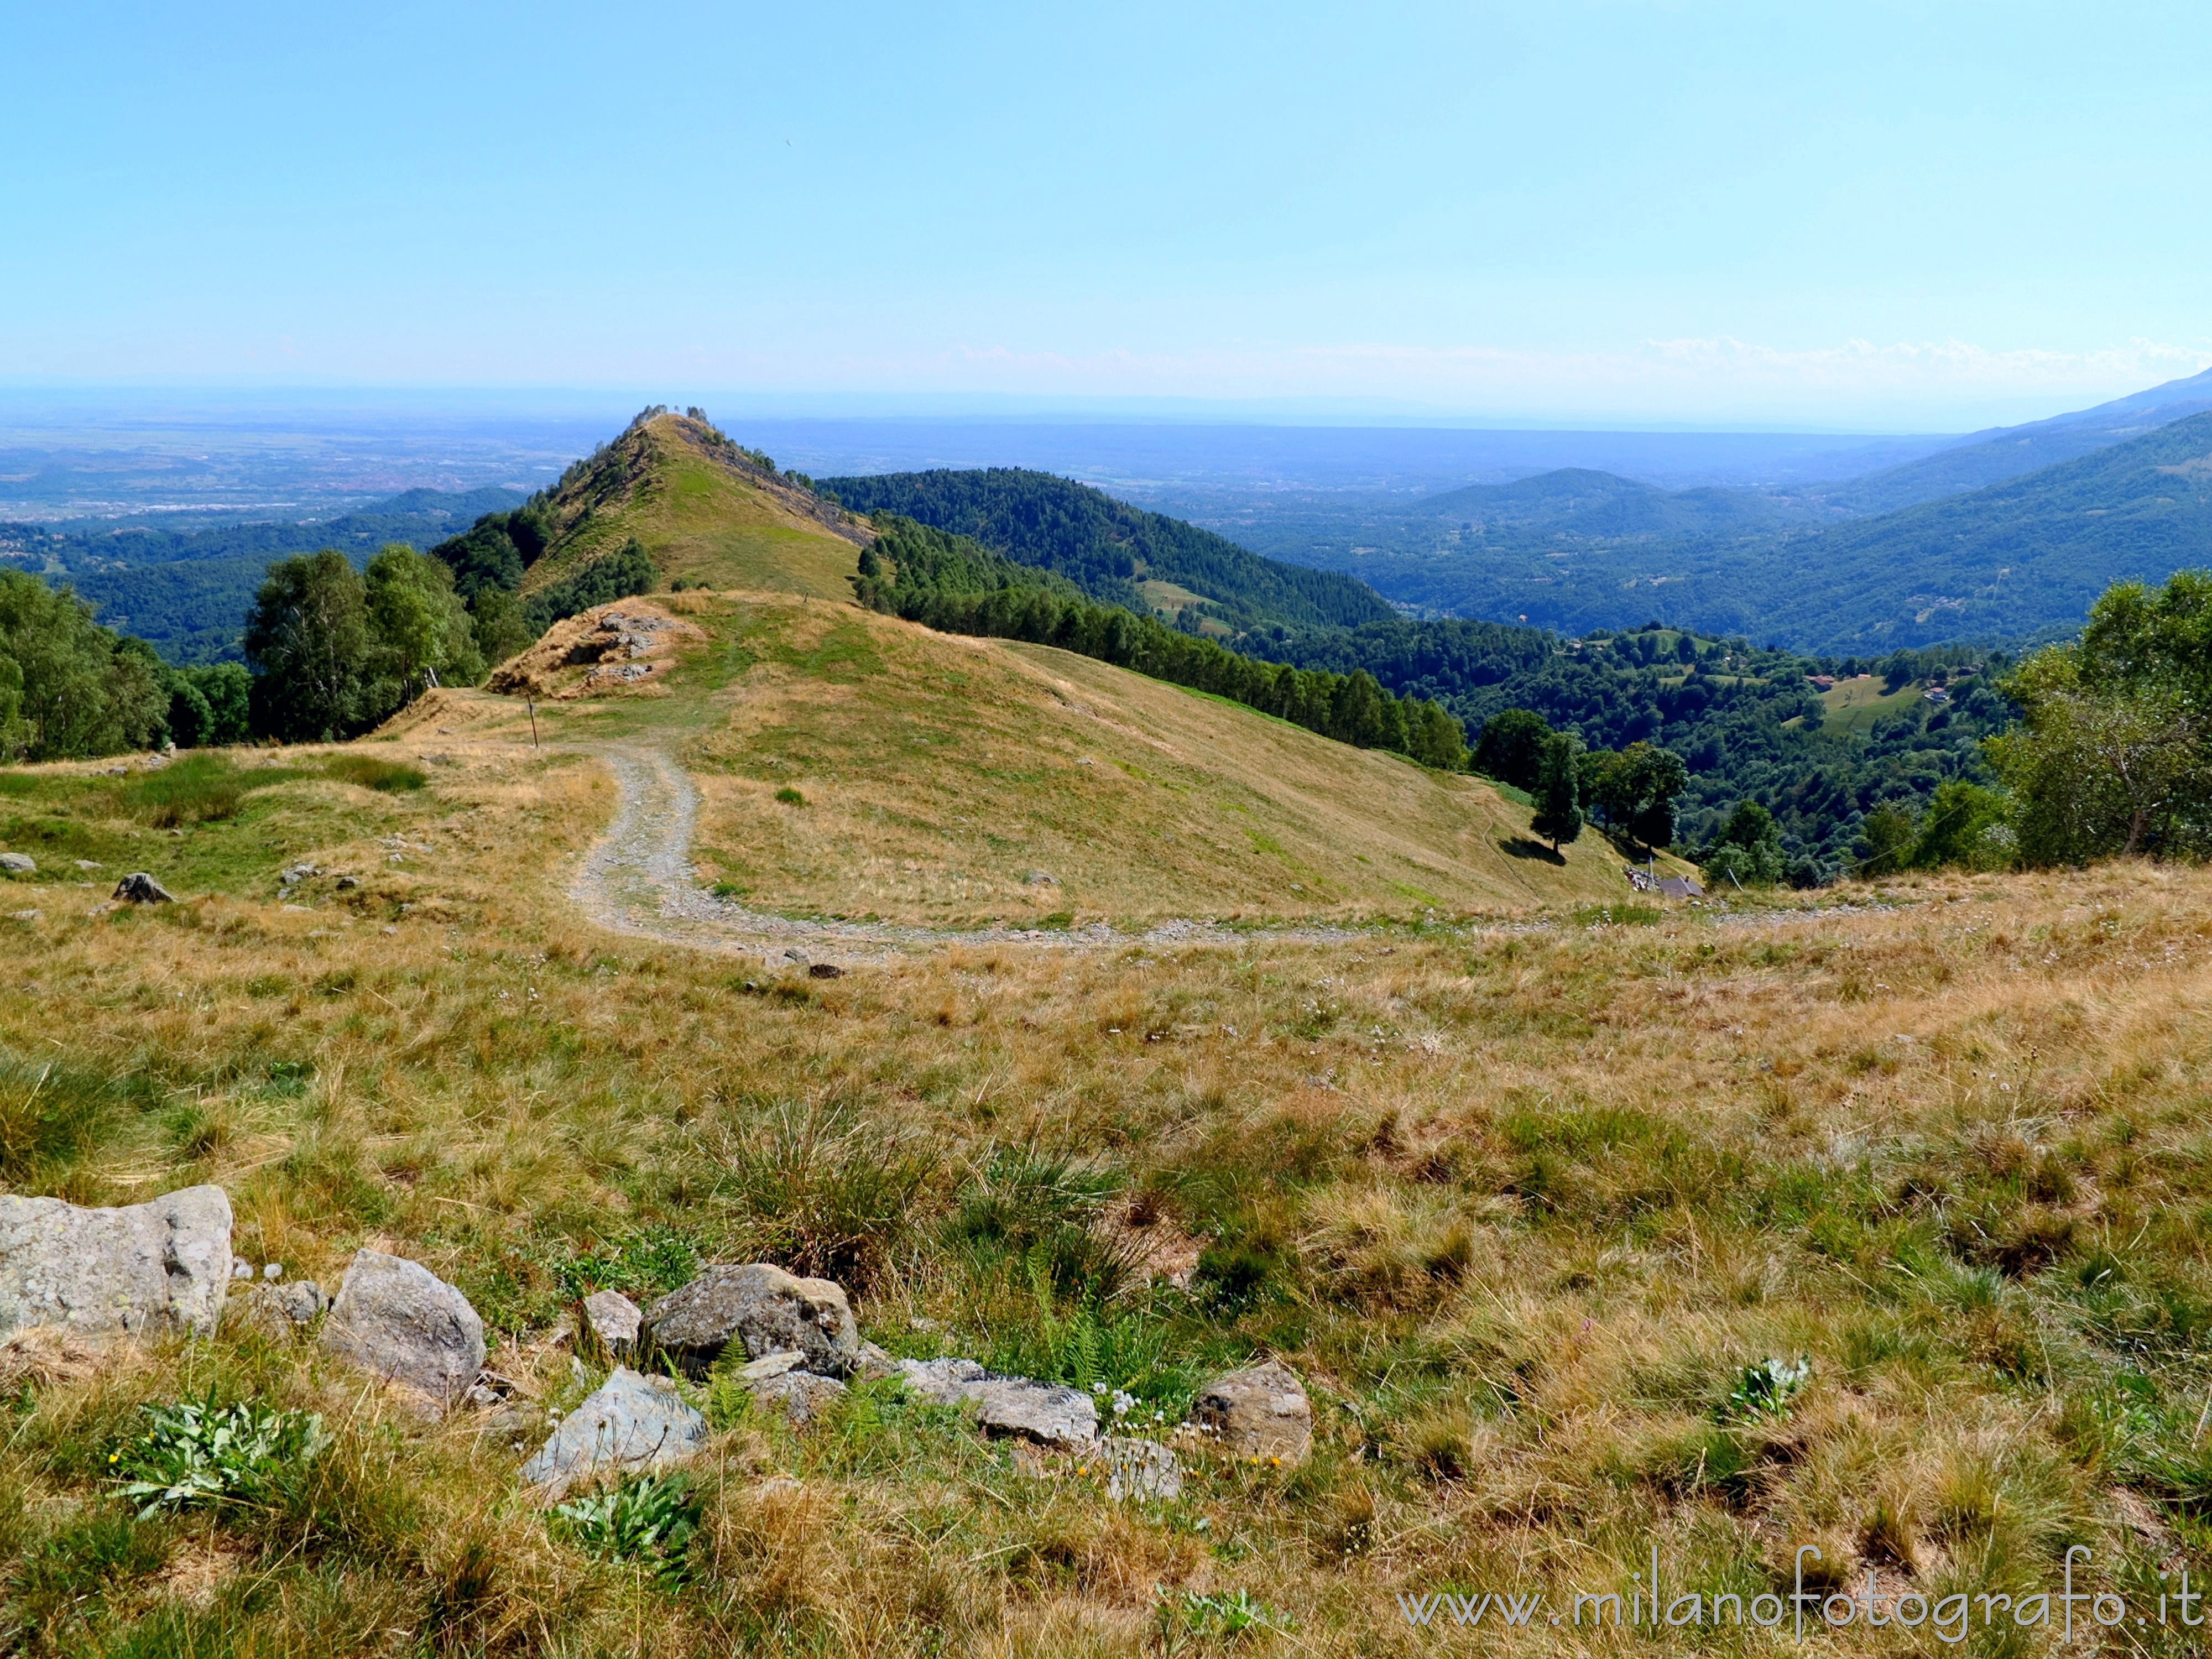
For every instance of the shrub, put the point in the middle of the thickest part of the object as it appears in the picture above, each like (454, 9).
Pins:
(648, 1519)
(198, 1454)
(821, 1190)
(790, 797)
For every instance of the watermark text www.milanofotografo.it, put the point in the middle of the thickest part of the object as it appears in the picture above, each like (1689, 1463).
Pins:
(2069, 1610)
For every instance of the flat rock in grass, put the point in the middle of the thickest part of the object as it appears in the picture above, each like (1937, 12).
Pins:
(1260, 1412)
(19, 864)
(143, 1270)
(1141, 1469)
(1047, 1413)
(763, 1308)
(614, 1319)
(400, 1321)
(630, 1423)
(799, 1395)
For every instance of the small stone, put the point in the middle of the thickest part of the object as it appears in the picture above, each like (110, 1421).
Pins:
(801, 1395)
(19, 864)
(139, 888)
(400, 1320)
(614, 1319)
(1141, 1469)
(769, 1366)
(347, 884)
(824, 971)
(276, 1310)
(274, 1270)
(1040, 878)
(89, 864)
(874, 1364)
(765, 1309)
(1260, 1412)
(631, 1423)
(795, 955)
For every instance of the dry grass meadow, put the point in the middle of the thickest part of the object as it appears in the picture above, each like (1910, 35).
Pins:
(1530, 1190)
(1520, 1200)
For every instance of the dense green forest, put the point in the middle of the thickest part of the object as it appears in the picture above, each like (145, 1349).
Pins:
(1111, 550)
(956, 584)
(186, 592)
(1747, 721)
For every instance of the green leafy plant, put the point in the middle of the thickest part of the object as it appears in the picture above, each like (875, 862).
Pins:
(1229, 1613)
(649, 1519)
(1764, 1391)
(200, 1454)
(790, 797)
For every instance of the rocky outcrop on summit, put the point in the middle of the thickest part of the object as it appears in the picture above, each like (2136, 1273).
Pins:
(762, 1307)
(145, 1269)
(400, 1321)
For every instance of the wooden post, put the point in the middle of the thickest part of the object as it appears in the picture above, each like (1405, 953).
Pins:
(532, 701)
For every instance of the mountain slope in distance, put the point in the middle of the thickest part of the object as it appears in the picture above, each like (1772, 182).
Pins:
(1116, 552)
(1984, 458)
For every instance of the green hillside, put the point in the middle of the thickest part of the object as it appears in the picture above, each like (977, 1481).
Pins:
(1116, 552)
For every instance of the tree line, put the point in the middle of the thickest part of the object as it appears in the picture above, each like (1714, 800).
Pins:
(955, 584)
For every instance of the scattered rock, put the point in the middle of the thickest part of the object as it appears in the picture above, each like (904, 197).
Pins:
(764, 1308)
(799, 1394)
(276, 1310)
(1040, 878)
(19, 864)
(89, 864)
(794, 954)
(1043, 1412)
(347, 884)
(491, 1390)
(1260, 1412)
(631, 1423)
(824, 971)
(768, 1367)
(614, 1319)
(874, 1364)
(400, 1320)
(1141, 1469)
(296, 874)
(144, 1269)
(139, 888)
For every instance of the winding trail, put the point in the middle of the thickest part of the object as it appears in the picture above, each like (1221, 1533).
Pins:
(639, 881)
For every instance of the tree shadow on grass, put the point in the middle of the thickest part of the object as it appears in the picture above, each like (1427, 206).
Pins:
(1520, 847)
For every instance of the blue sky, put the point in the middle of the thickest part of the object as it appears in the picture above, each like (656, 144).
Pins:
(1861, 216)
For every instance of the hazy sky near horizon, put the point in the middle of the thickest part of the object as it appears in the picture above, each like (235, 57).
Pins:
(1866, 216)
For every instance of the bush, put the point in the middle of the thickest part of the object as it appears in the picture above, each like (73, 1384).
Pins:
(823, 1191)
(790, 797)
(198, 1454)
(650, 1519)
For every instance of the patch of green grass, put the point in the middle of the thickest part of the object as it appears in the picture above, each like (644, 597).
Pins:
(371, 772)
(53, 1115)
(790, 797)
(199, 789)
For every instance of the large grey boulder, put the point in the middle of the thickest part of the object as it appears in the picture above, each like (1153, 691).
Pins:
(139, 888)
(763, 1307)
(142, 1270)
(19, 864)
(631, 1423)
(1047, 1413)
(1260, 1412)
(400, 1320)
